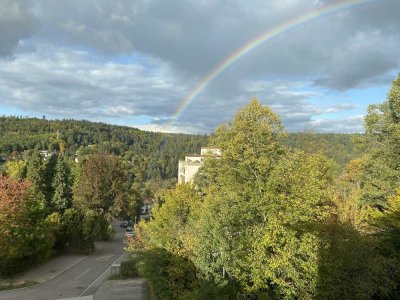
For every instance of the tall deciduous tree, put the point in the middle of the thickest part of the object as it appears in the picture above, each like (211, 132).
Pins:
(382, 125)
(102, 185)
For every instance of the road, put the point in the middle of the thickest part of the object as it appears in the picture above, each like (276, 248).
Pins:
(82, 279)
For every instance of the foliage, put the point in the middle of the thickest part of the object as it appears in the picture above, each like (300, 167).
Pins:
(24, 235)
(341, 148)
(62, 186)
(354, 265)
(387, 222)
(77, 229)
(382, 126)
(266, 221)
(170, 220)
(129, 268)
(158, 153)
(36, 170)
(16, 169)
(254, 226)
(287, 243)
(102, 185)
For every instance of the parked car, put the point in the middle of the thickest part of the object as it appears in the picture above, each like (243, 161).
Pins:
(124, 224)
(129, 228)
(129, 234)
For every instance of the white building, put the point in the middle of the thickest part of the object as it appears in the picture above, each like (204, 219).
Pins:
(193, 162)
(46, 154)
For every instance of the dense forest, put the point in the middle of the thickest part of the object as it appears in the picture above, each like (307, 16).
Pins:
(158, 152)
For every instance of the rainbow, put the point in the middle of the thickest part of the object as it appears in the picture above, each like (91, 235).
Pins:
(259, 40)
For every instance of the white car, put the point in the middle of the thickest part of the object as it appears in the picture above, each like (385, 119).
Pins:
(129, 234)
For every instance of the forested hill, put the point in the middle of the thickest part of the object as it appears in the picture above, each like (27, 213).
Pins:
(159, 152)
(338, 146)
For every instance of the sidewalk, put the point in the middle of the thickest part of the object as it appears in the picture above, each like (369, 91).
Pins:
(49, 270)
(133, 289)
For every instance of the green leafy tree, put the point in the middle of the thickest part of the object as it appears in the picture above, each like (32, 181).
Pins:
(382, 126)
(168, 228)
(162, 245)
(286, 246)
(62, 186)
(78, 230)
(237, 181)
(16, 169)
(102, 185)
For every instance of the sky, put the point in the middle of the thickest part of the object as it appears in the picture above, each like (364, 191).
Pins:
(134, 62)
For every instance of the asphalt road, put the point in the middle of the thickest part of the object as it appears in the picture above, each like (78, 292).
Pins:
(83, 279)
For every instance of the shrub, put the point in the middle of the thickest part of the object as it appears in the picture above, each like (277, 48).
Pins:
(129, 268)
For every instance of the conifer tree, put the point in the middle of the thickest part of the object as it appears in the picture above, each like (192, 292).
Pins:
(36, 172)
(62, 198)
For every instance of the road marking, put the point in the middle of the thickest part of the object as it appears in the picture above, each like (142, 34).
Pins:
(102, 274)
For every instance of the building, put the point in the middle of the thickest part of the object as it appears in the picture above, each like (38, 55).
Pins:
(193, 162)
(46, 154)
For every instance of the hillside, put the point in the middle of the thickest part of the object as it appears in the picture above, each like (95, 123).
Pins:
(159, 151)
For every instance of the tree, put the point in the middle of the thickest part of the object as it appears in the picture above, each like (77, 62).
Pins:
(168, 228)
(286, 246)
(36, 171)
(237, 183)
(382, 125)
(102, 185)
(16, 169)
(62, 186)
(162, 245)
(49, 174)
(22, 215)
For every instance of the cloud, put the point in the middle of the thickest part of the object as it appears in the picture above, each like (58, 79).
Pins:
(16, 23)
(345, 125)
(127, 60)
(70, 83)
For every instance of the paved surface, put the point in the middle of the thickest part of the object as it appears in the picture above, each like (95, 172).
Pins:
(52, 268)
(132, 289)
(82, 279)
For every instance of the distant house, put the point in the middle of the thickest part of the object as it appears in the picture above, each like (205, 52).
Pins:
(46, 154)
(193, 162)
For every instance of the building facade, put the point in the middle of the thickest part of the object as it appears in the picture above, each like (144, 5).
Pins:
(193, 162)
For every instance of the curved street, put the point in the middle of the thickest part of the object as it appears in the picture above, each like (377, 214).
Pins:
(82, 279)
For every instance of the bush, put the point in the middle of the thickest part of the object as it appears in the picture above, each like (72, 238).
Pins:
(78, 231)
(129, 268)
